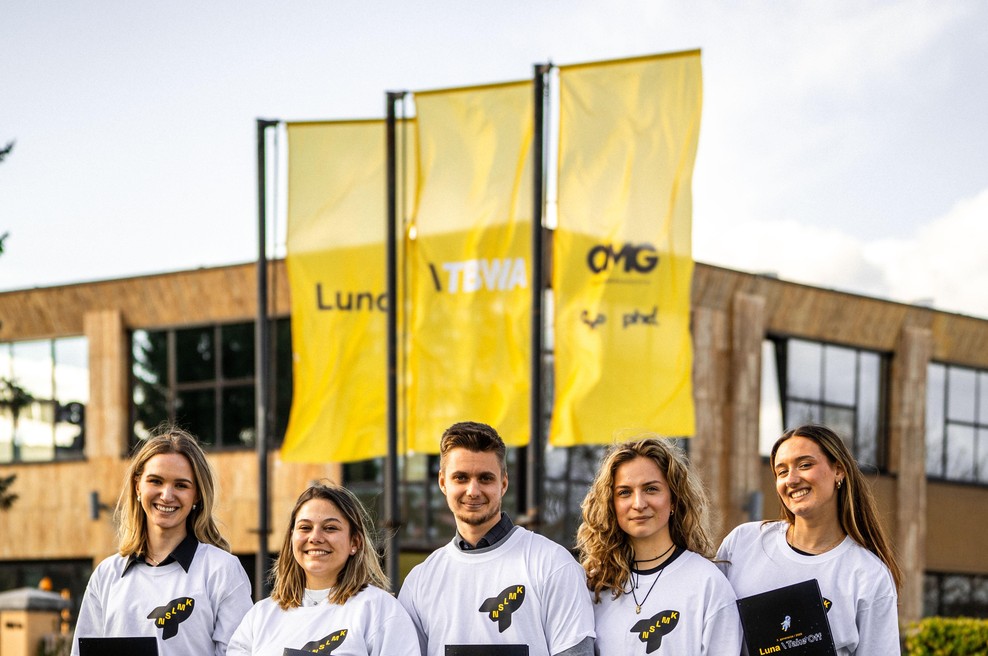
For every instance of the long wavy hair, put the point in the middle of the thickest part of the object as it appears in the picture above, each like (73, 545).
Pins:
(605, 551)
(360, 569)
(857, 512)
(130, 516)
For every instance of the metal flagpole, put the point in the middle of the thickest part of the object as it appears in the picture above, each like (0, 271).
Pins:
(534, 484)
(392, 510)
(262, 366)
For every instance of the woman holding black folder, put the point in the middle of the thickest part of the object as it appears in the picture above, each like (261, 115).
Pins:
(830, 531)
(329, 595)
(174, 577)
(644, 545)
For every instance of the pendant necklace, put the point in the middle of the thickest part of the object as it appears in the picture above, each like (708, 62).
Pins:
(634, 584)
(639, 604)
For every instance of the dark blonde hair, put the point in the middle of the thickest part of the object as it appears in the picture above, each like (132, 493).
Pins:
(605, 551)
(360, 569)
(472, 436)
(130, 516)
(857, 512)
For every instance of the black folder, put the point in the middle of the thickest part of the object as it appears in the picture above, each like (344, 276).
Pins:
(118, 647)
(791, 620)
(486, 650)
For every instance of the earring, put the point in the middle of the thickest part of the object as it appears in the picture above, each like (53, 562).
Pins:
(138, 497)
(194, 506)
(353, 551)
(839, 482)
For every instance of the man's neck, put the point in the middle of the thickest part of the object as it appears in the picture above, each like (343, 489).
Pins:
(473, 534)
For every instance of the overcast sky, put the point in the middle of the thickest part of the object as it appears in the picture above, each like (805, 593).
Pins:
(843, 144)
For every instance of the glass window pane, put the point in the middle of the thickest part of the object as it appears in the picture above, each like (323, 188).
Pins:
(798, 413)
(982, 455)
(935, 381)
(238, 416)
(867, 430)
(960, 394)
(983, 398)
(770, 412)
(803, 369)
(238, 350)
(32, 367)
(72, 369)
(150, 352)
(931, 595)
(956, 594)
(195, 411)
(195, 355)
(839, 374)
(841, 421)
(960, 452)
(34, 432)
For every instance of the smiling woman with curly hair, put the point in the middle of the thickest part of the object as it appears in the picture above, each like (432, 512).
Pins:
(644, 545)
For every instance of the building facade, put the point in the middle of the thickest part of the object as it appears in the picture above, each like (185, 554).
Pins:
(96, 365)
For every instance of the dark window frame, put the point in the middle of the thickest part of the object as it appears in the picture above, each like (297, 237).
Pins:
(978, 424)
(219, 384)
(855, 442)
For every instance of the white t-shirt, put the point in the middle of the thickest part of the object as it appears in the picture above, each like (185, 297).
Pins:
(524, 590)
(192, 612)
(687, 607)
(371, 623)
(857, 587)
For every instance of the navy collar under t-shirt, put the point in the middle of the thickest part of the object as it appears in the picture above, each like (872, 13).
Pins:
(183, 554)
(497, 533)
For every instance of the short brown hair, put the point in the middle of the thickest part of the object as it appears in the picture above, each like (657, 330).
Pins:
(472, 436)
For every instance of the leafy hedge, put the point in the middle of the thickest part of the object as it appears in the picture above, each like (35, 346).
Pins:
(947, 636)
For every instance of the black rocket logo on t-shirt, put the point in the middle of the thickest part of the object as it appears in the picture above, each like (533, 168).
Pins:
(499, 608)
(328, 644)
(168, 617)
(650, 631)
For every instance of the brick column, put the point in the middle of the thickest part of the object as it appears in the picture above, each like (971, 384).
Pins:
(106, 418)
(747, 333)
(907, 433)
(708, 450)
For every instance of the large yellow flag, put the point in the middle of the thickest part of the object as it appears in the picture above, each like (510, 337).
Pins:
(470, 264)
(336, 267)
(622, 255)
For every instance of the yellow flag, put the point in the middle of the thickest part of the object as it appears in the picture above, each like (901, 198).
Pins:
(336, 268)
(470, 264)
(622, 254)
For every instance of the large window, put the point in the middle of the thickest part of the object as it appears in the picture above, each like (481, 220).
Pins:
(957, 423)
(44, 389)
(202, 379)
(955, 595)
(841, 387)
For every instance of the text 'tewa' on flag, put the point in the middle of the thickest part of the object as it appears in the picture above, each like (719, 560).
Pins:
(470, 263)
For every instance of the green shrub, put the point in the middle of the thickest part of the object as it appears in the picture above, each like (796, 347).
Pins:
(947, 636)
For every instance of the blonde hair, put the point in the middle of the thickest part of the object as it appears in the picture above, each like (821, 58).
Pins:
(857, 512)
(605, 551)
(360, 569)
(130, 516)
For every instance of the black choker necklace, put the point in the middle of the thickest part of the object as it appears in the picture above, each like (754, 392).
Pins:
(648, 560)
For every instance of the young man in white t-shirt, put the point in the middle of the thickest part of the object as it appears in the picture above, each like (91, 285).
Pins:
(495, 585)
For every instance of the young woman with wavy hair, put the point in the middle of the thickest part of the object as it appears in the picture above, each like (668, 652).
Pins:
(829, 530)
(329, 591)
(645, 548)
(173, 576)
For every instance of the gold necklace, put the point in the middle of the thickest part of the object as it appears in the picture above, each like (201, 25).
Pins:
(795, 545)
